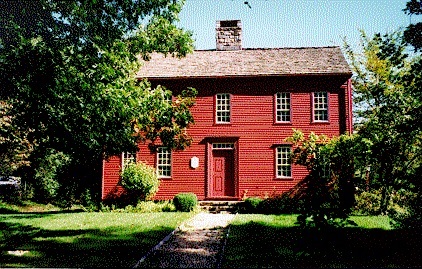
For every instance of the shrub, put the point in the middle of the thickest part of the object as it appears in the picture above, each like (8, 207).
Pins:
(185, 202)
(47, 174)
(252, 205)
(6, 208)
(141, 207)
(281, 204)
(87, 201)
(150, 207)
(368, 203)
(140, 181)
(167, 206)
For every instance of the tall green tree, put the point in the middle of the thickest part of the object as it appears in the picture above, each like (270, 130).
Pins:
(67, 72)
(413, 32)
(14, 144)
(387, 84)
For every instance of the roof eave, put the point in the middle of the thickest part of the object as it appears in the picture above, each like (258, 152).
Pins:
(349, 74)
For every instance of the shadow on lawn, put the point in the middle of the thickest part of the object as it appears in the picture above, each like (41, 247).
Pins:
(27, 246)
(258, 245)
(35, 214)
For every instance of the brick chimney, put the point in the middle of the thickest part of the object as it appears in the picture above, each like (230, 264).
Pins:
(228, 35)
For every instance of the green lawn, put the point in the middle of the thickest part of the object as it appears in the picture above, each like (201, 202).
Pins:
(55, 239)
(270, 241)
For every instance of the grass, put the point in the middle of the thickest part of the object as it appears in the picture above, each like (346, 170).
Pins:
(80, 239)
(257, 241)
(54, 238)
(25, 206)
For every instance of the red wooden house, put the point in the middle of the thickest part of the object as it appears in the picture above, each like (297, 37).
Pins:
(248, 102)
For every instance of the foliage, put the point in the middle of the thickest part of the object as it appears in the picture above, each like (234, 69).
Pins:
(281, 204)
(7, 208)
(278, 204)
(413, 32)
(252, 205)
(399, 207)
(26, 206)
(327, 192)
(47, 177)
(368, 203)
(185, 202)
(140, 207)
(140, 180)
(150, 207)
(387, 83)
(67, 70)
(14, 144)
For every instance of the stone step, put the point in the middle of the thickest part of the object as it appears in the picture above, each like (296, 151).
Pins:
(219, 203)
(221, 207)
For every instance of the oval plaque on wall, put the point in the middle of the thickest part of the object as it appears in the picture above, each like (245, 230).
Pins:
(194, 162)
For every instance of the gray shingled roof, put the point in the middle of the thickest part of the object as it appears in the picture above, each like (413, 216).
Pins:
(248, 62)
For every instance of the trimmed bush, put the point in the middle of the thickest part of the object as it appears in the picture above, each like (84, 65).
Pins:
(185, 202)
(140, 181)
(282, 204)
(252, 204)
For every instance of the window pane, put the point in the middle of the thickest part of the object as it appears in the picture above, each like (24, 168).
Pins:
(283, 164)
(283, 107)
(128, 157)
(163, 162)
(223, 146)
(222, 108)
(320, 106)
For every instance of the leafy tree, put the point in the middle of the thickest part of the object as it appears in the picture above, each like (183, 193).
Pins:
(327, 192)
(413, 32)
(387, 83)
(14, 144)
(67, 72)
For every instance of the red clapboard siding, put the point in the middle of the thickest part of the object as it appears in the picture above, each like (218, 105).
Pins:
(111, 177)
(252, 128)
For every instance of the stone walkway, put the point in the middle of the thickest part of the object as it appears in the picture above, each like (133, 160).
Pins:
(196, 244)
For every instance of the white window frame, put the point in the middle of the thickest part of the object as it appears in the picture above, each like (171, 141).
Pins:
(164, 160)
(222, 108)
(283, 107)
(127, 158)
(168, 97)
(320, 105)
(283, 164)
(224, 146)
(325, 171)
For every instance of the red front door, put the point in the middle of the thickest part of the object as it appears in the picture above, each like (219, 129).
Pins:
(222, 179)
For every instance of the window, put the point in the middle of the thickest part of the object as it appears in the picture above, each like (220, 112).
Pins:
(168, 97)
(320, 106)
(283, 163)
(128, 157)
(222, 108)
(163, 162)
(222, 146)
(282, 107)
(324, 170)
